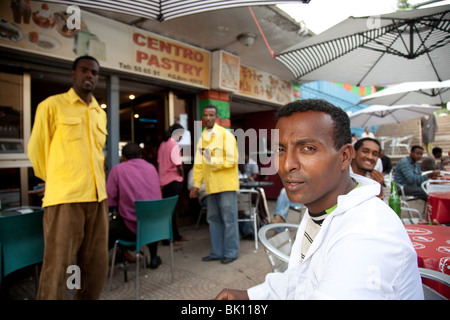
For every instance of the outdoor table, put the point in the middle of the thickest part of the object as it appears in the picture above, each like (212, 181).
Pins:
(262, 203)
(438, 207)
(432, 244)
(20, 210)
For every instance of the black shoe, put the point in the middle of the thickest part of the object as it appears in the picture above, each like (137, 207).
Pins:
(250, 236)
(227, 260)
(209, 258)
(156, 261)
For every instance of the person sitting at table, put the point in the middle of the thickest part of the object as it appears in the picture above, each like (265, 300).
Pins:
(282, 207)
(430, 162)
(132, 179)
(407, 173)
(249, 169)
(349, 244)
(386, 161)
(365, 158)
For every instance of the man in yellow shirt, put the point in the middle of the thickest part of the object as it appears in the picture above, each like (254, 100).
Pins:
(65, 150)
(216, 163)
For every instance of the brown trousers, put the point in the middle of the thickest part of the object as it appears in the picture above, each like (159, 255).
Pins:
(74, 234)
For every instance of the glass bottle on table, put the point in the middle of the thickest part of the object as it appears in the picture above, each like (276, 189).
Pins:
(394, 200)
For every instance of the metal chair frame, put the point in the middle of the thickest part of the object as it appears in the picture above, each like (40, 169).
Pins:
(249, 208)
(154, 223)
(278, 247)
(429, 293)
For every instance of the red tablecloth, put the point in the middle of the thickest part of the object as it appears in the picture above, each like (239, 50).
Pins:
(438, 207)
(432, 244)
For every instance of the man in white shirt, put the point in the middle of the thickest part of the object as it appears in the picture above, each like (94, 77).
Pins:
(350, 244)
(367, 133)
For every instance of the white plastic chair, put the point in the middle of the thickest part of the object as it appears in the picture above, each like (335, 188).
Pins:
(401, 142)
(414, 215)
(429, 293)
(278, 245)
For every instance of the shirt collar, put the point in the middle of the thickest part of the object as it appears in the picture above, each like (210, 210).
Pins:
(74, 97)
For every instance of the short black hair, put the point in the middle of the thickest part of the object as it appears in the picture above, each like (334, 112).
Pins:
(132, 151)
(210, 106)
(75, 62)
(360, 142)
(172, 128)
(436, 150)
(341, 128)
(413, 148)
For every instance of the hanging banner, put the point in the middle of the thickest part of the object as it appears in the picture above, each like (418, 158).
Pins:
(67, 32)
(264, 86)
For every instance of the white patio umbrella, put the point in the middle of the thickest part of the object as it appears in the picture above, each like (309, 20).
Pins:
(391, 48)
(162, 10)
(380, 114)
(426, 92)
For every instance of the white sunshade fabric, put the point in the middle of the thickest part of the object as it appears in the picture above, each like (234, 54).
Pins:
(377, 50)
(167, 9)
(422, 92)
(381, 114)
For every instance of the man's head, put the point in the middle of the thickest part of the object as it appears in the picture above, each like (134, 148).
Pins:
(131, 151)
(416, 153)
(85, 72)
(366, 155)
(313, 153)
(437, 152)
(175, 131)
(209, 116)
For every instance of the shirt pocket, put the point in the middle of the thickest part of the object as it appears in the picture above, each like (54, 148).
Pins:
(71, 128)
(101, 133)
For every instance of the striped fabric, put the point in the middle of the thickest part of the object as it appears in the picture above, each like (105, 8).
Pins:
(167, 9)
(312, 229)
(359, 46)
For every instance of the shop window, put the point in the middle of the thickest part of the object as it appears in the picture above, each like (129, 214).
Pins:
(11, 113)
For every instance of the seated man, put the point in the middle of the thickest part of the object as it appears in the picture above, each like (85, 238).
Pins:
(365, 159)
(282, 207)
(349, 244)
(407, 173)
(249, 169)
(132, 179)
(430, 162)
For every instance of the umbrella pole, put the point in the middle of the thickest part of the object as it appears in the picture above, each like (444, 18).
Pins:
(420, 131)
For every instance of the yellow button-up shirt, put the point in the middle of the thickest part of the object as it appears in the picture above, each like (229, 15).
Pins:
(220, 173)
(66, 149)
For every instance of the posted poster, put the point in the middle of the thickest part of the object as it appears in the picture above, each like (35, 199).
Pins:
(66, 32)
(264, 86)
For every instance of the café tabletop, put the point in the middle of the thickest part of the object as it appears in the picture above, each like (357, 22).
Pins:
(438, 207)
(432, 245)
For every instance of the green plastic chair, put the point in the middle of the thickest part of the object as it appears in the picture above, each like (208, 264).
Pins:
(154, 223)
(22, 241)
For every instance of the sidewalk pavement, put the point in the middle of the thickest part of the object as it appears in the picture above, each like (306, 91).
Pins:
(193, 278)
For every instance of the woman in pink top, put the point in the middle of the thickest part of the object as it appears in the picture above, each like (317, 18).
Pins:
(170, 168)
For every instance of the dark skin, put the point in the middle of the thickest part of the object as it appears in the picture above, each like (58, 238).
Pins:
(84, 80)
(209, 119)
(416, 155)
(312, 170)
(365, 160)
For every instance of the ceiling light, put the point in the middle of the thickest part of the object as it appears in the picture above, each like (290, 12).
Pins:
(247, 38)
(131, 96)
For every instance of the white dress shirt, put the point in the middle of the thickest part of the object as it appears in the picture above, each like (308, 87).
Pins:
(361, 252)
